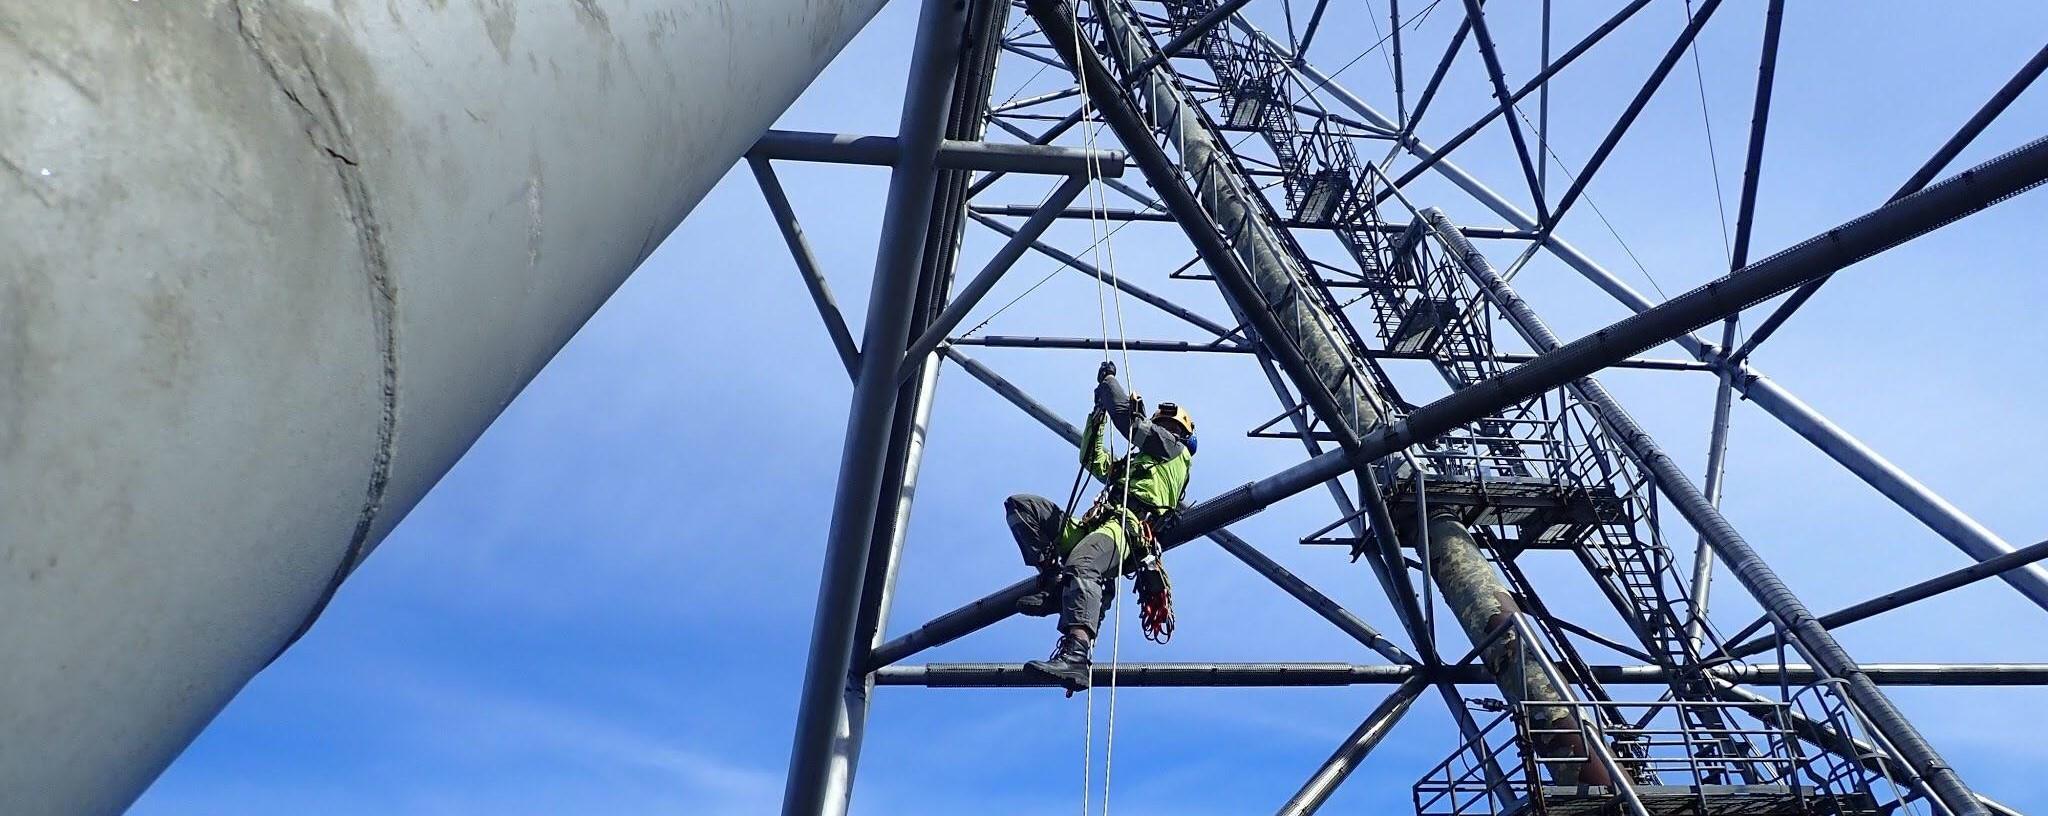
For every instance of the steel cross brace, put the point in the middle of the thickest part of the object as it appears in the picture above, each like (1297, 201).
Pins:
(1005, 258)
(1875, 232)
(1777, 600)
(1902, 597)
(1327, 674)
(842, 148)
(806, 264)
(1940, 516)
(820, 769)
(1934, 164)
(1125, 214)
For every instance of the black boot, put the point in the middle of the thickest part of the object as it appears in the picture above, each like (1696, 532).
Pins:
(1069, 665)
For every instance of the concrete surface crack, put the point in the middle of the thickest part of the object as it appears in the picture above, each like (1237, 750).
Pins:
(293, 61)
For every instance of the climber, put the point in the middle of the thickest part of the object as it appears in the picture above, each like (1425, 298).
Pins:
(1078, 560)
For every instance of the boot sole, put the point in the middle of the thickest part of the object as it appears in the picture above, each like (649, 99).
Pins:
(1040, 669)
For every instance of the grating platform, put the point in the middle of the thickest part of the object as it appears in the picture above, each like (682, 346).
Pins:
(1686, 800)
(1546, 515)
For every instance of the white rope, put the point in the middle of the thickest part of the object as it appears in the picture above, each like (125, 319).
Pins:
(1103, 253)
(1109, 738)
(1088, 142)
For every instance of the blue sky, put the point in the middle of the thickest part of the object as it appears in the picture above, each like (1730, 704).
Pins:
(605, 606)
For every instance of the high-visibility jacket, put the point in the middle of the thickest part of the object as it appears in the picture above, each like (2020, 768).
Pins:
(1144, 484)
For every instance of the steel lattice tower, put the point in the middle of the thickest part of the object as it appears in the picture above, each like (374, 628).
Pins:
(1299, 200)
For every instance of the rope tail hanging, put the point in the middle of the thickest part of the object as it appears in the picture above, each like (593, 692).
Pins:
(1154, 590)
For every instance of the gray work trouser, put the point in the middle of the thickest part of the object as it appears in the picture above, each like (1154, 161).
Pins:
(1087, 574)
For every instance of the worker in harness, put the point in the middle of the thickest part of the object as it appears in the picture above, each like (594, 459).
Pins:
(1078, 559)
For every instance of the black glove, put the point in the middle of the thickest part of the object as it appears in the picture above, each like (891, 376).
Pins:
(1137, 405)
(1105, 371)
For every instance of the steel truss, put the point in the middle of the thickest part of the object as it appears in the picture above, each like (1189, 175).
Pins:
(1242, 142)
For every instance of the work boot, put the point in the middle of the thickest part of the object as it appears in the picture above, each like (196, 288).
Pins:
(1069, 665)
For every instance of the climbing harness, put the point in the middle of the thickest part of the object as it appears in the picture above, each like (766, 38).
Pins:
(1146, 564)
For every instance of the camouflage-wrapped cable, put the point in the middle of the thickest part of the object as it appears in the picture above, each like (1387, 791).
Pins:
(1482, 605)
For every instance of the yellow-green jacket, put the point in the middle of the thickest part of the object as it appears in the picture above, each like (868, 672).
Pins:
(1156, 470)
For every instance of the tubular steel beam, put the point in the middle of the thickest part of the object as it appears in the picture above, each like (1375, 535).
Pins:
(1724, 392)
(934, 59)
(806, 264)
(1628, 115)
(1096, 344)
(1540, 81)
(905, 460)
(1158, 675)
(1633, 362)
(1912, 594)
(1996, 105)
(1040, 99)
(1310, 597)
(1495, 75)
(1400, 67)
(1472, 186)
(1129, 288)
(1222, 13)
(1921, 502)
(1309, 675)
(1978, 122)
(1354, 749)
(965, 119)
(1824, 735)
(1195, 31)
(1770, 592)
(1005, 257)
(1406, 130)
(1543, 110)
(1875, 232)
(842, 148)
(1124, 214)
(1251, 263)
(1315, 21)
(1759, 123)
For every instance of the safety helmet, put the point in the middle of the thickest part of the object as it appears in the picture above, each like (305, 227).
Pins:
(1179, 415)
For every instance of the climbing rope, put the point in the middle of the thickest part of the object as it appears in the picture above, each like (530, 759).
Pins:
(1104, 253)
(1088, 133)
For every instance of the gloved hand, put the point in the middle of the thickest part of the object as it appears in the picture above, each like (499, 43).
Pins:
(1105, 371)
(1137, 405)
